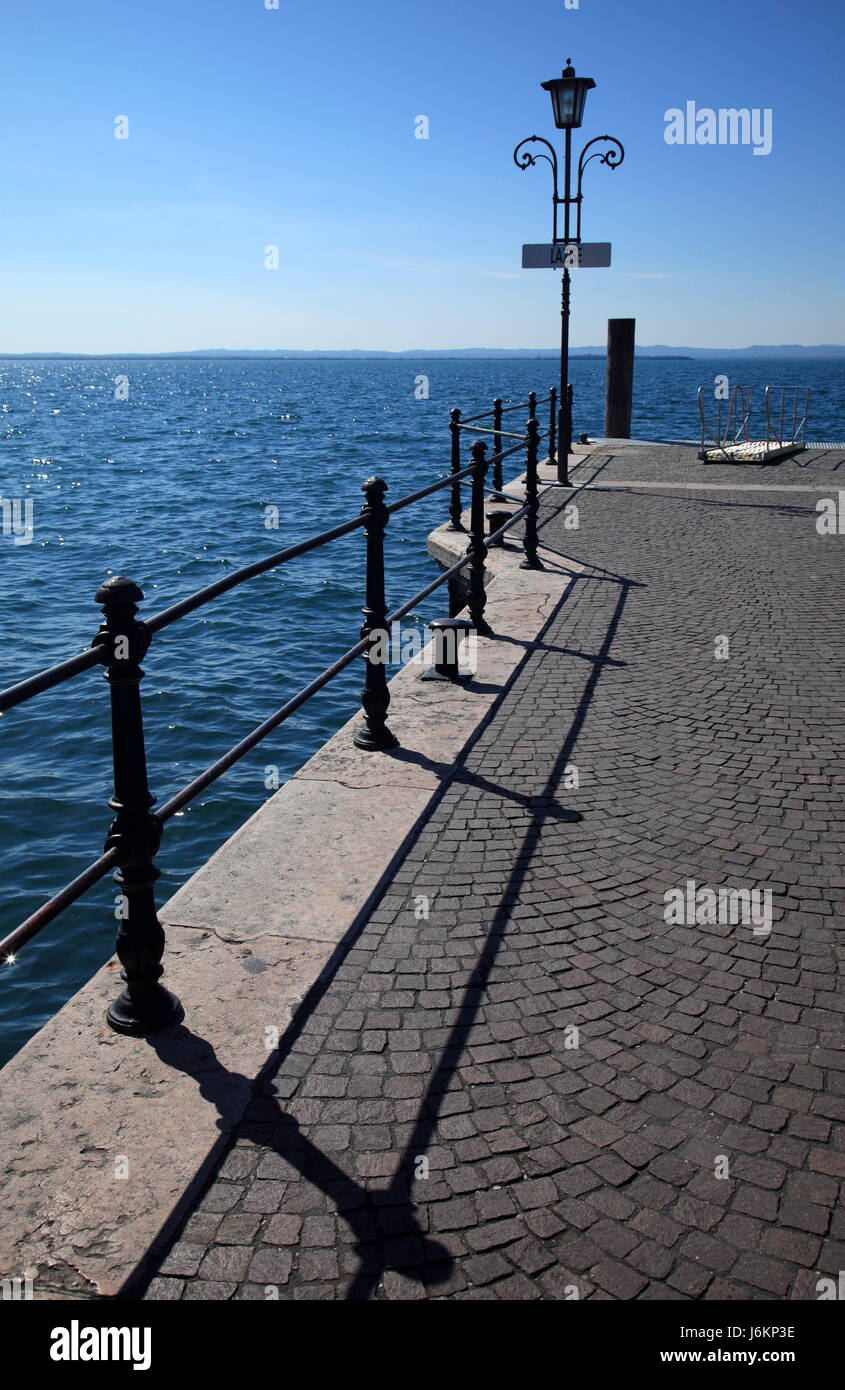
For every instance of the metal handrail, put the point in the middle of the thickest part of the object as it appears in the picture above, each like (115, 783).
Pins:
(432, 487)
(75, 665)
(240, 576)
(133, 839)
(735, 429)
(799, 427)
(45, 914)
(505, 410)
(736, 418)
(84, 661)
(45, 680)
(240, 749)
(504, 453)
(480, 429)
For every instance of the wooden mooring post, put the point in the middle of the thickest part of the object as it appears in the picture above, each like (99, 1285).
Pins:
(619, 383)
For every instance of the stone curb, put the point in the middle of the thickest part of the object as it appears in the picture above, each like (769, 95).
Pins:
(105, 1139)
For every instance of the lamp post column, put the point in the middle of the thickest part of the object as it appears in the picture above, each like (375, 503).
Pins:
(564, 419)
(568, 94)
(564, 431)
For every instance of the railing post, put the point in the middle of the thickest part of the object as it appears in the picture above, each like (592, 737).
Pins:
(374, 735)
(532, 405)
(477, 543)
(455, 507)
(552, 425)
(529, 537)
(145, 1005)
(498, 483)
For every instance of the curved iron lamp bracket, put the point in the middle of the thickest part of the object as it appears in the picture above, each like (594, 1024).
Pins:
(527, 158)
(612, 158)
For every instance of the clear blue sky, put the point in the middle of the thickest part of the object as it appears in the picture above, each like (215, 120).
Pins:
(295, 127)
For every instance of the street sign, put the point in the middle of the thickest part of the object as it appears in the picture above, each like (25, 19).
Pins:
(561, 255)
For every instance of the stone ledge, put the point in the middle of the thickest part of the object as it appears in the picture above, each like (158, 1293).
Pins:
(250, 936)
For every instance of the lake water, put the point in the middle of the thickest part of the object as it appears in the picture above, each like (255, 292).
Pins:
(170, 486)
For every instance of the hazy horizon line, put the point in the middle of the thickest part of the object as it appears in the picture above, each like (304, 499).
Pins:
(785, 349)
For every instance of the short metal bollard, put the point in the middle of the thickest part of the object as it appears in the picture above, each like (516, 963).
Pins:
(448, 633)
(494, 521)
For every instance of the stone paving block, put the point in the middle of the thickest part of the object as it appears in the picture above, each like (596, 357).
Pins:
(557, 1170)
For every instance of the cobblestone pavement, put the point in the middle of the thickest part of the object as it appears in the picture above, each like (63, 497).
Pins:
(529, 1092)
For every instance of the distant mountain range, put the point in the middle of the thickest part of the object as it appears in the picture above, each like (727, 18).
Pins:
(660, 350)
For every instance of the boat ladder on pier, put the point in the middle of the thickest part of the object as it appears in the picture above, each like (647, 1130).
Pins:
(726, 436)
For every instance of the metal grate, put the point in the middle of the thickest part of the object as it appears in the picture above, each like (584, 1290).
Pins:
(602, 442)
(726, 436)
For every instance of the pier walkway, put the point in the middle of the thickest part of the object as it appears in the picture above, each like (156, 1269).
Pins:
(524, 1082)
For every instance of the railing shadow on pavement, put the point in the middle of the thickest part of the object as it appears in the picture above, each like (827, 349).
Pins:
(630, 490)
(274, 1128)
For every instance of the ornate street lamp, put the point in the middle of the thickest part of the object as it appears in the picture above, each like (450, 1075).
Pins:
(569, 95)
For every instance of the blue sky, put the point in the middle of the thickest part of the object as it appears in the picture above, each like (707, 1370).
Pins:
(294, 127)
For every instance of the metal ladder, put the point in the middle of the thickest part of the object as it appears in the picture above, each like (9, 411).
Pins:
(797, 435)
(726, 435)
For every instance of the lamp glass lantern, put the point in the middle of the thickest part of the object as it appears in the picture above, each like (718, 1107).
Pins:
(568, 94)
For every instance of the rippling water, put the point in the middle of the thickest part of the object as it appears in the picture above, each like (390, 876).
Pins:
(170, 487)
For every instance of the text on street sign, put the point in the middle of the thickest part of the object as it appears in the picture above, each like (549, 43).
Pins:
(567, 255)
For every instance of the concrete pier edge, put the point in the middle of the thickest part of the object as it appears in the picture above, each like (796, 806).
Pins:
(106, 1140)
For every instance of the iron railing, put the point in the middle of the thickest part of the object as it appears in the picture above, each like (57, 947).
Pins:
(122, 641)
(780, 433)
(729, 425)
(458, 424)
(727, 436)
